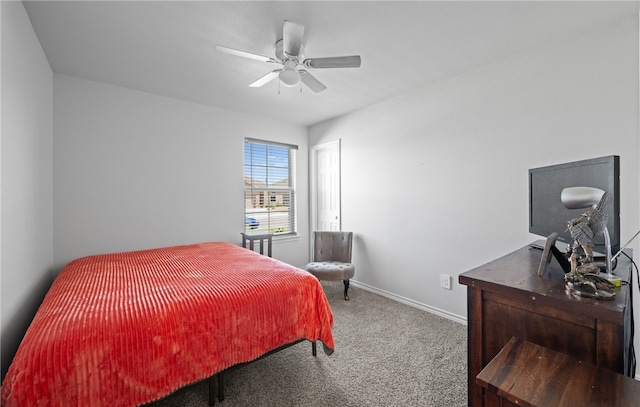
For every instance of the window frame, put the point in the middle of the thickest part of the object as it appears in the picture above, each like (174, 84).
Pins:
(264, 191)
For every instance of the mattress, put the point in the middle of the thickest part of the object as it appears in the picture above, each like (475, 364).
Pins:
(124, 329)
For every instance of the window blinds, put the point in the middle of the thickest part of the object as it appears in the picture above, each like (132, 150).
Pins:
(269, 187)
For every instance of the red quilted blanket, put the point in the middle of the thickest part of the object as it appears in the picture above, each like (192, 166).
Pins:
(128, 328)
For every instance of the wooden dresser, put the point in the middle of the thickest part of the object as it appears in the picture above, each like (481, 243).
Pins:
(507, 298)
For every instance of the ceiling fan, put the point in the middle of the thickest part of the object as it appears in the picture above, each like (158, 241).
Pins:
(290, 54)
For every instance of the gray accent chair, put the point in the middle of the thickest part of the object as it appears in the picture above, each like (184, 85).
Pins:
(332, 258)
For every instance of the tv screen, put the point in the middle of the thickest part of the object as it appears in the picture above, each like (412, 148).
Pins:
(547, 214)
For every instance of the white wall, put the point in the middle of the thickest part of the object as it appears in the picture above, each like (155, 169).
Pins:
(435, 181)
(26, 217)
(134, 170)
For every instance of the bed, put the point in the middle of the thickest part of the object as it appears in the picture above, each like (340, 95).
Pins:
(125, 329)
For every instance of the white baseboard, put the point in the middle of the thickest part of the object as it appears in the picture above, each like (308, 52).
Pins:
(456, 318)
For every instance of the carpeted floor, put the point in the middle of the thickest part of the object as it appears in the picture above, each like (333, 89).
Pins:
(387, 354)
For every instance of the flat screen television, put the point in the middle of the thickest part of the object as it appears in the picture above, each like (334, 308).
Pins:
(547, 214)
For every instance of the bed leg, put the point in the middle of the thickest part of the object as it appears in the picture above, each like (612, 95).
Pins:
(221, 387)
(313, 348)
(212, 388)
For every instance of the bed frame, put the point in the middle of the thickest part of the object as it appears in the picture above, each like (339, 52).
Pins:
(219, 377)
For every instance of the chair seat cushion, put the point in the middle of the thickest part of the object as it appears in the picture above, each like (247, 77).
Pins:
(331, 270)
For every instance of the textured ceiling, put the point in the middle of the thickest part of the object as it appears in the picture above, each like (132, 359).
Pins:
(167, 48)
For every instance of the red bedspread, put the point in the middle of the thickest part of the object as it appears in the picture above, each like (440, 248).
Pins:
(127, 328)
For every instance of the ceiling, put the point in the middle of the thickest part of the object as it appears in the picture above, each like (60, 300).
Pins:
(167, 48)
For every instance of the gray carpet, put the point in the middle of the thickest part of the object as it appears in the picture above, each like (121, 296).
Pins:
(387, 354)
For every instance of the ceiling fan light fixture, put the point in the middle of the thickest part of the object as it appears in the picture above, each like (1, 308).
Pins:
(289, 77)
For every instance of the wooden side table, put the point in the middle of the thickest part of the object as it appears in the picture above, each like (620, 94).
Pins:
(526, 374)
(260, 237)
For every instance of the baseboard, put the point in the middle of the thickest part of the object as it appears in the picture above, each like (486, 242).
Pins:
(412, 303)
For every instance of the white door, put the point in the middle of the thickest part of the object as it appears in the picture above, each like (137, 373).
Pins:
(325, 187)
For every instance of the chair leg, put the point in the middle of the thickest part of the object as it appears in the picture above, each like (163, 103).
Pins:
(346, 290)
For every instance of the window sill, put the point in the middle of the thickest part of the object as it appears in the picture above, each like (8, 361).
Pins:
(286, 238)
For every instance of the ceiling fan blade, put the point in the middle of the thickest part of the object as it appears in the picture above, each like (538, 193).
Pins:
(265, 79)
(352, 61)
(309, 80)
(244, 54)
(292, 33)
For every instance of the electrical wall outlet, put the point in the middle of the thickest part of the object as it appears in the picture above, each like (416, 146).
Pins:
(445, 281)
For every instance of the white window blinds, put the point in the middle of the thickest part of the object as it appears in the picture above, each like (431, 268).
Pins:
(269, 187)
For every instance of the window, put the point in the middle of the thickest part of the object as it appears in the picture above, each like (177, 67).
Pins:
(269, 187)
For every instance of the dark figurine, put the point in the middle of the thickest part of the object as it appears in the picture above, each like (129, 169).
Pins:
(583, 279)
(584, 229)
